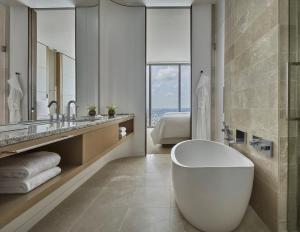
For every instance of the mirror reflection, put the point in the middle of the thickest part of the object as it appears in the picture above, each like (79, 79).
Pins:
(37, 63)
(55, 63)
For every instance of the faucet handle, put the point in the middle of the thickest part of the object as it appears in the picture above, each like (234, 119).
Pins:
(255, 142)
(265, 147)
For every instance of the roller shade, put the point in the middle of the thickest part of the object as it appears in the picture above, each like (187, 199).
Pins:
(168, 35)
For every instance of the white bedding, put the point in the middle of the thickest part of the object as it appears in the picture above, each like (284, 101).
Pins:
(172, 128)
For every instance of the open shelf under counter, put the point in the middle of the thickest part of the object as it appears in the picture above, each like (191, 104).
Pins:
(13, 205)
(78, 153)
(129, 125)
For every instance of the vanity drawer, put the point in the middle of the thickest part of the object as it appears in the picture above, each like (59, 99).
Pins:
(98, 141)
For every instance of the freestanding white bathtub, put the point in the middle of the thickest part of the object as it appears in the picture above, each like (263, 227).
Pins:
(212, 184)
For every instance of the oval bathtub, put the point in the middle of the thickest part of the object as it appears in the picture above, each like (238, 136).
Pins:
(212, 184)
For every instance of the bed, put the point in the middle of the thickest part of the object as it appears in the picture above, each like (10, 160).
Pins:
(172, 128)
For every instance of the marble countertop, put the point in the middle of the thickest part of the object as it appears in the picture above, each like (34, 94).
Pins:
(35, 131)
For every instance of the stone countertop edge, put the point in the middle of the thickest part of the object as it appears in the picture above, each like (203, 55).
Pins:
(6, 139)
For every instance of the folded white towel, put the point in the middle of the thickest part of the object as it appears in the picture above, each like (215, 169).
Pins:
(123, 134)
(28, 165)
(122, 129)
(13, 185)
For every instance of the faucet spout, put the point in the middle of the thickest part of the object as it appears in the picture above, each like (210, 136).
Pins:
(51, 103)
(228, 136)
(56, 110)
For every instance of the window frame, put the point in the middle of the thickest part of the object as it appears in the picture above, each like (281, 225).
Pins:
(149, 103)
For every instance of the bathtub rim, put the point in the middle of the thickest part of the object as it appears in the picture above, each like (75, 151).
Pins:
(174, 159)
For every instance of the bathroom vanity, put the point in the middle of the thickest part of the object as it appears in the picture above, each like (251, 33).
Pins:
(79, 144)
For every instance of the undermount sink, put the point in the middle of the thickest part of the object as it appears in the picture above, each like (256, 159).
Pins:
(12, 127)
(26, 124)
(22, 125)
(36, 122)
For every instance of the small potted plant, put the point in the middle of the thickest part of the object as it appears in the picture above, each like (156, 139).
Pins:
(92, 111)
(111, 111)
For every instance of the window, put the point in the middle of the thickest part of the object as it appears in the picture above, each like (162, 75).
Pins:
(168, 90)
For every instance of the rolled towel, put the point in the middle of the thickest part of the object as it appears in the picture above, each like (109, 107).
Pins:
(123, 134)
(122, 129)
(13, 185)
(28, 165)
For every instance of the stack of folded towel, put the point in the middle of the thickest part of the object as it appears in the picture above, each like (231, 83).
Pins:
(23, 173)
(122, 132)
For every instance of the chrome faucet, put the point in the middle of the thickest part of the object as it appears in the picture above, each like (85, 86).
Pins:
(69, 117)
(56, 110)
(262, 145)
(255, 141)
(228, 136)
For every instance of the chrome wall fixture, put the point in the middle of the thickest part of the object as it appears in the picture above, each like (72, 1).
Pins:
(262, 145)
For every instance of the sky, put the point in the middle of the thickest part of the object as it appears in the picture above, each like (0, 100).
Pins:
(165, 87)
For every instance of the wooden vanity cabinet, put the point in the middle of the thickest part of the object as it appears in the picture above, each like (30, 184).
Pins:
(78, 149)
(96, 142)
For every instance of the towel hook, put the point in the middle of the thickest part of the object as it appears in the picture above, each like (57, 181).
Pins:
(201, 73)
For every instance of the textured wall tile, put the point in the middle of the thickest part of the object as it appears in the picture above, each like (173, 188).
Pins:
(264, 202)
(282, 215)
(256, 29)
(255, 99)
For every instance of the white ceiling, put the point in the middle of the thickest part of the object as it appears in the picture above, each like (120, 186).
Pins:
(47, 3)
(51, 3)
(162, 3)
(73, 3)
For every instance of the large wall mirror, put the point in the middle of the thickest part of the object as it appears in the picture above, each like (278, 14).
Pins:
(40, 49)
(37, 62)
(53, 61)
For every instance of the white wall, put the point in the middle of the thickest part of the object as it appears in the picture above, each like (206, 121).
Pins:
(87, 58)
(168, 35)
(122, 64)
(41, 73)
(68, 82)
(201, 50)
(18, 50)
(219, 78)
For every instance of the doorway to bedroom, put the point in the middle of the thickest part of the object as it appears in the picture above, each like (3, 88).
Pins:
(168, 78)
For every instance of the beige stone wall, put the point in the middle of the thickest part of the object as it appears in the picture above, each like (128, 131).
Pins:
(293, 140)
(283, 60)
(253, 88)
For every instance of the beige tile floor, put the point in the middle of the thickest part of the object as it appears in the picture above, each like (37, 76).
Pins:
(128, 195)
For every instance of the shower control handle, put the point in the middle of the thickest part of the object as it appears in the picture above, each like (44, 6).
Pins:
(262, 145)
(265, 148)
